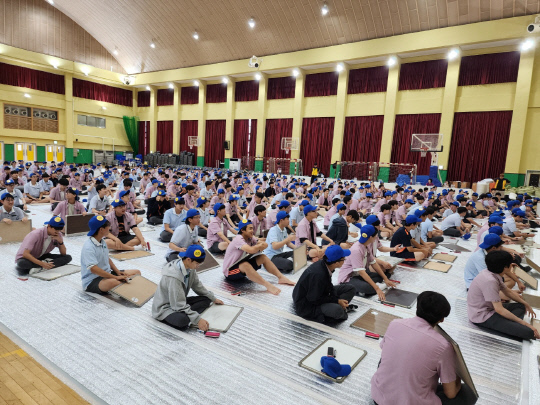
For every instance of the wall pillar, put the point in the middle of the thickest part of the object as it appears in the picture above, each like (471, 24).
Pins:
(229, 123)
(298, 112)
(69, 113)
(153, 119)
(201, 117)
(448, 110)
(176, 119)
(339, 123)
(390, 113)
(261, 116)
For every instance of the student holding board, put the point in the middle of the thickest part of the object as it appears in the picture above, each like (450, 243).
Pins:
(171, 304)
(417, 356)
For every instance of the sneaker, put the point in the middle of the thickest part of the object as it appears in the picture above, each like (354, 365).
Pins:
(526, 268)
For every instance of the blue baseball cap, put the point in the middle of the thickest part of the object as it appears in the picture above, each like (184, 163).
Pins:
(118, 203)
(201, 201)
(95, 223)
(331, 367)
(284, 190)
(281, 215)
(179, 200)
(497, 230)
(303, 203)
(388, 194)
(155, 181)
(308, 208)
(126, 192)
(371, 219)
(221, 191)
(495, 218)
(56, 222)
(6, 195)
(366, 232)
(518, 211)
(409, 201)
(412, 219)
(369, 195)
(284, 203)
(418, 213)
(467, 236)
(162, 193)
(309, 196)
(455, 203)
(490, 240)
(335, 252)
(445, 192)
(341, 207)
(243, 223)
(193, 252)
(192, 213)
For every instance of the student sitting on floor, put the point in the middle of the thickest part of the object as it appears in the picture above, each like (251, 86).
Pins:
(419, 357)
(185, 235)
(429, 233)
(171, 304)
(122, 222)
(339, 230)
(315, 297)
(403, 237)
(297, 213)
(356, 269)
(484, 305)
(218, 227)
(242, 243)
(16, 193)
(232, 211)
(99, 204)
(98, 272)
(124, 195)
(34, 254)
(260, 225)
(511, 229)
(157, 206)
(307, 232)
(59, 193)
(277, 239)
(70, 206)
(34, 191)
(477, 262)
(8, 212)
(173, 218)
(386, 227)
(454, 224)
(202, 207)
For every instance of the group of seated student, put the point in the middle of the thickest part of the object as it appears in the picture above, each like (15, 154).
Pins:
(9, 212)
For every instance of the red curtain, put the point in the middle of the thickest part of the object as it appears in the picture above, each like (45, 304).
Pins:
(243, 137)
(144, 137)
(216, 93)
(362, 139)
(281, 87)
(405, 126)
(246, 91)
(321, 84)
(479, 145)
(143, 99)
(368, 80)
(423, 75)
(188, 128)
(213, 145)
(189, 95)
(32, 79)
(165, 97)
(164, 142)
(316, 143)
(276, 129)
(489, 69)
(102, 92)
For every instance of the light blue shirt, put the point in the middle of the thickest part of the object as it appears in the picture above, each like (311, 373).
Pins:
(173, 219)
(296, 215)
(275, 235)
(475, 264)
(427, 226)
(509, 226)
(184, 237)
(46, 185)
(93, 253)
(451, 220)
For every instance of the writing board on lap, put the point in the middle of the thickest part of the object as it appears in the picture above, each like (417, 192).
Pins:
(517, 248)
(532, 300)
(374, 321)
(461, 367)
(455, 247)
(57, 272)
(535, 323)
(245, 257)
(437, 266)
(77, 224)
(527, 278)
(209, 263)
(138, 291)
(220, 317)
(533, 260)
(299, 258)
(345, 354)
(322, 212)
(14, 232)
(401, 298)
(132, 254)
(445, 257)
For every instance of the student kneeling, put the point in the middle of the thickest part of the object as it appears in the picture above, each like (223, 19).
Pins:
(416, 355)
(171, 304)
(98, 272)
(315, 297)
(484, 305)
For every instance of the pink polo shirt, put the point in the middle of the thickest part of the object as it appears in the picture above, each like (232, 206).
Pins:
(329, 215)
(481, 231)
(365, 205)
(414, 357)
(259, 226)
(483, 292)
(34, 242)
(359, 259)
(303, 231)
(62, 209)
(215, 226)
(129, 222)
(234, 251)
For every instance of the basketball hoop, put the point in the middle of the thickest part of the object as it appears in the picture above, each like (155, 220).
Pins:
(193, 141)
(288, 144)
(424, 151)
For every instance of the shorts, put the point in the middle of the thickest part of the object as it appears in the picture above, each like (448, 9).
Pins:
(215, 249)
(126, 238)
(403, 255)
(234, 272)
(93, 287)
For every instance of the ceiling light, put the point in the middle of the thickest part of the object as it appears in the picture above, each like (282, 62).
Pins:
(295, 72)
(152, 45)
(103, 108)
(324, 9)
(115, 51)
(225, 80)
(85, 70)
(340, 67)
(51, 2)
(148, 88)
(392, 61)
(196, 82)
(251, 23)
(526, 45)
(453, 54)
(195, 35)
(171, 86)
(26, 95)
(258, 76)
(55, 65)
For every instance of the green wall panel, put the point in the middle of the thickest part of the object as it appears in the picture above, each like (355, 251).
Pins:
(514, 179)
(69, 155)
(200, 161)
(41, 154)
(521, 180)
(259, 165)
(9, 152)
(384, 174)
(227, 162)
(443, 174)
(84, 156)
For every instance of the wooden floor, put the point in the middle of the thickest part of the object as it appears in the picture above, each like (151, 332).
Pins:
(24, 381)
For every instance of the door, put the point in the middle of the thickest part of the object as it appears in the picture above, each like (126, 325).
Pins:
(534, 180)
(50, 153)
(60, 152)
(19, 151)
(31, 154)
(25, 151)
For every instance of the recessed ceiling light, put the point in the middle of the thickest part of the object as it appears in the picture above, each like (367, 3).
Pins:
(251, 23)
(324, 9)
(103, 108)
(340, 67)
(453, 54)
(115, 51)
(171, 86)
(195, 35)
(258, 76)
(148, 88)
(391, 61)
(152, 45)
(51, 2)
(196, 82)
(26, 95)
(225, 80)
(528, 44)
(295, 72)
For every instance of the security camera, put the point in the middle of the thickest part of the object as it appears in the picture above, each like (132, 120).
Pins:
(128, 80)
(254, 62)
(534, 28)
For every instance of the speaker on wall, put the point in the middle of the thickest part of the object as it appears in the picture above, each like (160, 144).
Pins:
(226, 145)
